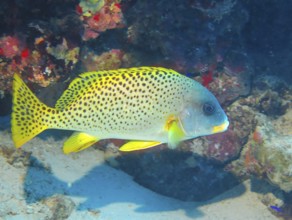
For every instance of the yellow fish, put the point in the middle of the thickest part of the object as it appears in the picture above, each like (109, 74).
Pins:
(147, 105)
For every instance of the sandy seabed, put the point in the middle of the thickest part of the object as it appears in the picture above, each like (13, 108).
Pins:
(51, 185)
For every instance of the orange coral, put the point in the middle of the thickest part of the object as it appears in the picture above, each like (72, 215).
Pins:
(257, 137)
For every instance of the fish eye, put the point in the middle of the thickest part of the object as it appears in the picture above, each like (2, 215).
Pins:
(208, 109)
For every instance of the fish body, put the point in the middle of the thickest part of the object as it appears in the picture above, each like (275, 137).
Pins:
(148, 105)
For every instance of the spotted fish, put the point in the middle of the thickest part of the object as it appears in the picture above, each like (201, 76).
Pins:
(146, 105)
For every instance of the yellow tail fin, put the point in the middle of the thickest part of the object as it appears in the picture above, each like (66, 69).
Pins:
(27, 113)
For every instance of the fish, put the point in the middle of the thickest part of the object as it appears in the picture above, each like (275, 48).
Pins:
(148, 106)
(276, 208)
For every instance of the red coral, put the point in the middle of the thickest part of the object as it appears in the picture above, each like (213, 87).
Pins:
(96, 17)
(118, 5)
(25, 53)
(79, 9)
(207, 79)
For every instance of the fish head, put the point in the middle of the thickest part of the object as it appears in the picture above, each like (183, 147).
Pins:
(202, 114)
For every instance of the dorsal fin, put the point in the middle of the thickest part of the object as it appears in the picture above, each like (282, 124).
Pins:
(84, 82)
(78, 86)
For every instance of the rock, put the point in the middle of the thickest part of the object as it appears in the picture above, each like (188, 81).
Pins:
(61, 206)
(267, 153)
(227, 146)
(272, 154)
(271, 104)
(204, 27)
(283, 124)
(15, 157)
(110, 154)
(177, 174)
(270, 96)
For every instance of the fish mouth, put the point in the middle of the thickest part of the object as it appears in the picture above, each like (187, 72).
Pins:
(220, 128)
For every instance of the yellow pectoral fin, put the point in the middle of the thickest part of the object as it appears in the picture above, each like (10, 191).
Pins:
(138, 145)
(78, 141)
(175, 134)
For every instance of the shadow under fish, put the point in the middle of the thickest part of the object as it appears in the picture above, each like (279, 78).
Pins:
(98, 189)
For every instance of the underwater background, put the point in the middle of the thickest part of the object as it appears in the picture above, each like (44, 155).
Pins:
(239, 49)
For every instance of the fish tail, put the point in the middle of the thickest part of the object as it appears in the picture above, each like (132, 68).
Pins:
(29, 114)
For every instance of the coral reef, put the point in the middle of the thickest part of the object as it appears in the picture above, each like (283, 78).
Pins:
(39, 66)
(48, 50)
(10, 46)
(52, 49)
(99, 16)
(10, 51)
(63, 52)
(89, 7)
(273, 155)
(270, 96)
(112, 59)
(267, 153)
(283, 124)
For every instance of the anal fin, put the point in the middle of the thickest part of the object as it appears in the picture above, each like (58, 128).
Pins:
(138, 145)
(78, 141)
